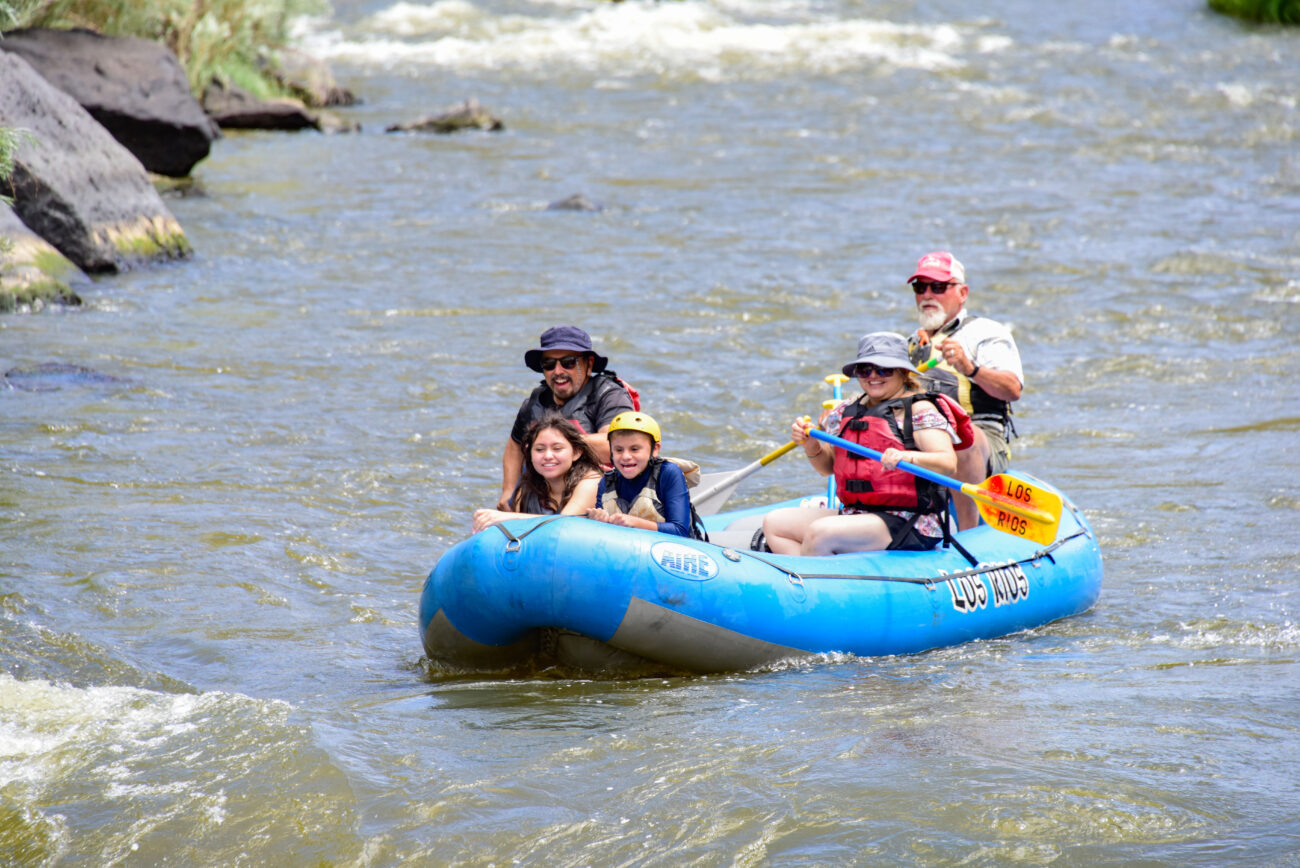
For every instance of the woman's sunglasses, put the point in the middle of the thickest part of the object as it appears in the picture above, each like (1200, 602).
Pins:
(567, 362)
(937, 288)
(869, 370)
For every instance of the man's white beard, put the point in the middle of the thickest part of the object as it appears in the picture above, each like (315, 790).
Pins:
(931, 319)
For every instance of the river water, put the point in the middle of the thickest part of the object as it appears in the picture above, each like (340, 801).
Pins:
(222, 482)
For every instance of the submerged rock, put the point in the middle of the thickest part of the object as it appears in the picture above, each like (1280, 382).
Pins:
(75, 186)
(134, 87)
(52, 376)
(576, 202)
(331, 122)
(468, 115)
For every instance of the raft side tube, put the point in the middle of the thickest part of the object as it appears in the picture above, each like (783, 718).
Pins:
(445, 644)
(491, 590)
(651, 630)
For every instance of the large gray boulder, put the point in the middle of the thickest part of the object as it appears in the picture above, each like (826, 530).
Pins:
(135, 88)
(75, 186)
(32, 273)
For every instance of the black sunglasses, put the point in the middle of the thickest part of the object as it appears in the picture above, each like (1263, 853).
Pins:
(868, 370)
(937, 288)
(567, 362)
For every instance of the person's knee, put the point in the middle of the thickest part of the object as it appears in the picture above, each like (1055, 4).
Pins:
(774, 523)
(783, 530)
(815, 539)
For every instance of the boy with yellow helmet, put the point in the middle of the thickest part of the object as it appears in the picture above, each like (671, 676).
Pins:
(643, 490)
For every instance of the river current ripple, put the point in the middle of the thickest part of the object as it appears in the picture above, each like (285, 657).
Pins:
(216, 516)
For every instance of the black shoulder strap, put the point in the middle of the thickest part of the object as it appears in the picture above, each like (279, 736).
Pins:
(885, 410)
(656, 465)
(697, 526)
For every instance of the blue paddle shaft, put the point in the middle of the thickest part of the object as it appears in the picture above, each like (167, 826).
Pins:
(868, 452)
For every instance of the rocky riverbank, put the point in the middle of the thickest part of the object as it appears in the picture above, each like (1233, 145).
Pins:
(96, 116)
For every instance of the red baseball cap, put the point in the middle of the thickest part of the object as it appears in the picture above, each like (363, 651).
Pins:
(941, 266)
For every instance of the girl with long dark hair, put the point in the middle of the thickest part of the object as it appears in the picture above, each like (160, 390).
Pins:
(561, 474)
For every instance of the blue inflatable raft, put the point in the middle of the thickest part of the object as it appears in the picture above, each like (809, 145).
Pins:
(599, 598)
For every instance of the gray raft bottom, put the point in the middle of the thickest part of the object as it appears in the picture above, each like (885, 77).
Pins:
(649, 636)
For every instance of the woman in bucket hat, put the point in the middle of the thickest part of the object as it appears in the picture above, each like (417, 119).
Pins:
(884, 507)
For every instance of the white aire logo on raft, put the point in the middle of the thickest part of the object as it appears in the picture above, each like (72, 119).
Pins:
(684, 561)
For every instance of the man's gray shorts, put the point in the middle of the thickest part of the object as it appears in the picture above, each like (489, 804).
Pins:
(999, 451)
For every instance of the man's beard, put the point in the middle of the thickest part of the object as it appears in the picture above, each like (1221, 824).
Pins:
(931, 319)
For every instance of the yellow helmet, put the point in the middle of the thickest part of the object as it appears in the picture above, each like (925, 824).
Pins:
(634, 421)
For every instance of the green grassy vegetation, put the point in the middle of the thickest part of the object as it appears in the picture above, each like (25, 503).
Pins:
(1271, 11)
(138, 243)
(8, 138)
(8, 144)
(36, 295)
(54, 264)
(34, 279)
(224, 39)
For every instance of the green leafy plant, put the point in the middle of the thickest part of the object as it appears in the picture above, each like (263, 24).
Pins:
(8, 145)
(8, 138)
(1271, 11)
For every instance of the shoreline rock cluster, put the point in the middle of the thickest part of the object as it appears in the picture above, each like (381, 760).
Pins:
(95, 115)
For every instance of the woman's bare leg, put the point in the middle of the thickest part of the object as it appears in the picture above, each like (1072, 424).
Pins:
(784, 528)
(836, 534)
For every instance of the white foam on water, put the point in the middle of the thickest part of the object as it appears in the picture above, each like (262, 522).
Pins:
(116, 739)
(713, 41)
(39, 718)
(1238, 95)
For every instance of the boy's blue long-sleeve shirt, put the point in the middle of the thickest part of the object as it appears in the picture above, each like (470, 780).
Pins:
(672, 492)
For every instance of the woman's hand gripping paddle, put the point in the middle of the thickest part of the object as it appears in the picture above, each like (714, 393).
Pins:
(1008, 504)
(715, 488)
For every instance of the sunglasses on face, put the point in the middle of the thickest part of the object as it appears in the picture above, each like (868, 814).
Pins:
(567, 362)
(869, 370)
(920, 286)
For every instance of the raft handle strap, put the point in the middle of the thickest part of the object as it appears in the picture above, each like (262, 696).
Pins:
(517, 541)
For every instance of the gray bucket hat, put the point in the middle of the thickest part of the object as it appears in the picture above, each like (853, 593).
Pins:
(882, 349)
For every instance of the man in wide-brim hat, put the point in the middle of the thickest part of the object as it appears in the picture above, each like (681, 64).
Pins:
(575, 382)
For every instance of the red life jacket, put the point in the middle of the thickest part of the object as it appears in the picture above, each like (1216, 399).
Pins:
(864, 482)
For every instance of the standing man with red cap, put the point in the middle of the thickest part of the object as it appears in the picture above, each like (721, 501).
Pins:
(978, 366)
(574, 382)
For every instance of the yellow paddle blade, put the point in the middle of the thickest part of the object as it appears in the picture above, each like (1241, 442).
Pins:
(1017, 507)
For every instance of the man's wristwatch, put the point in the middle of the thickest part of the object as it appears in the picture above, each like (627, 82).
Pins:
(973, 371)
